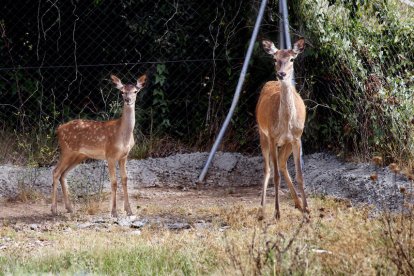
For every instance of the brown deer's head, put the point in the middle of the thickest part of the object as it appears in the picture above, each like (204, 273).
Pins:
(284, 58)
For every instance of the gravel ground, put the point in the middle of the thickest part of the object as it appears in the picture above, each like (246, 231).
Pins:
(325, 174)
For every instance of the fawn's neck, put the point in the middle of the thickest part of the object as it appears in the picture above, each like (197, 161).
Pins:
(127, 123)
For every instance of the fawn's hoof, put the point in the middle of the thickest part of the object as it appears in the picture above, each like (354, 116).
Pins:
(69, 209)
(277, 215)
(114, 214)
(128, 210)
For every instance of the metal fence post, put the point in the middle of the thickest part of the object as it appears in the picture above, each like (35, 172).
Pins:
(238, 90)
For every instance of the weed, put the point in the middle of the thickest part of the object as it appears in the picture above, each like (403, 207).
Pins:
(397, 230)
(398, 234)
(26, 192)
(269, 252)
(154, 146)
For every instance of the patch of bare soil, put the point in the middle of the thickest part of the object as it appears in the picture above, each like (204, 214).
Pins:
(144, 202)
(228, 177)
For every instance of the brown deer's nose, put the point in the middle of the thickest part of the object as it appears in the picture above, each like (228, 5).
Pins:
(281, 75)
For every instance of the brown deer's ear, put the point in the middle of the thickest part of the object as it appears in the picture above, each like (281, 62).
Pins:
(269, 47)
(141, 81)
(117, 82)
(299, 46)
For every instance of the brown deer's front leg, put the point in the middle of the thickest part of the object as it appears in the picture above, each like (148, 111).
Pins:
(276, 175)
(284, 153)
(124, 179)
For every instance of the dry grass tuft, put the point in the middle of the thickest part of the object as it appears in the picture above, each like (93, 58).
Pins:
(25, 194)
(93, 207)
(239, 216)
(398, 234)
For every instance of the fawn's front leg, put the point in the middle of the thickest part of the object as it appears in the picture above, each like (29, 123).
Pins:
(124, 179)
(112, 177)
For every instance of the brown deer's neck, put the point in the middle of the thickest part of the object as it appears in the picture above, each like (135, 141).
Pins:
(287, 107)
(127, 125)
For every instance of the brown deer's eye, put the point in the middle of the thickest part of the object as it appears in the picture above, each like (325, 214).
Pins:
(291, 60)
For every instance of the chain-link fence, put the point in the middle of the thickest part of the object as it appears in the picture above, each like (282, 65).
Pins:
(57, 56)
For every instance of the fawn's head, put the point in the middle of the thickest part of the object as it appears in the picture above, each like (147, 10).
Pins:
(129, 91)
(284, 58)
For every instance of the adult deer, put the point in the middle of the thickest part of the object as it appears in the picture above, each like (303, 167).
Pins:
(108, 140)
(280, 114)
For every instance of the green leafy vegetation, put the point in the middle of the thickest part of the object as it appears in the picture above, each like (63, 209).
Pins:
(361, 68)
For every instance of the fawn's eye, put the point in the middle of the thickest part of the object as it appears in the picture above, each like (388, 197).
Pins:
(291, 60)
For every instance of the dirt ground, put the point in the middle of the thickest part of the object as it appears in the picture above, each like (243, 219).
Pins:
(204, 220)
(38, 212)
(168, 183)
(325, 175)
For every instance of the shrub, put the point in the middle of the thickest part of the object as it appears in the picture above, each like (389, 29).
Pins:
(361, 70)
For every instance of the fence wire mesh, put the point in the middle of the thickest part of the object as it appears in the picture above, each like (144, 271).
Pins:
(56, 58)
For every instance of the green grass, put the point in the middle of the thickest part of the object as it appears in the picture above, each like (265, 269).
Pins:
(137, 259)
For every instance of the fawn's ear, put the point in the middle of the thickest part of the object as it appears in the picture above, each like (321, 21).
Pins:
(299, 46)
(117, 82)
(269, 47)
(141, 81)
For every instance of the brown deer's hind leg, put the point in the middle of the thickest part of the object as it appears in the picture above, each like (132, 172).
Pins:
(297, 155)
(264, 143)
(284, 154)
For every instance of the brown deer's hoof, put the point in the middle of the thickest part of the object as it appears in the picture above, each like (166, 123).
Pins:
(298, 206)
(54, 210)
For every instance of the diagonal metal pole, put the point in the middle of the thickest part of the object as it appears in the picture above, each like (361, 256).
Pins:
(237, 93)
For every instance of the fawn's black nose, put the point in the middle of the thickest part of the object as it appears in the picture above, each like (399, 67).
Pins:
(281, 75)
